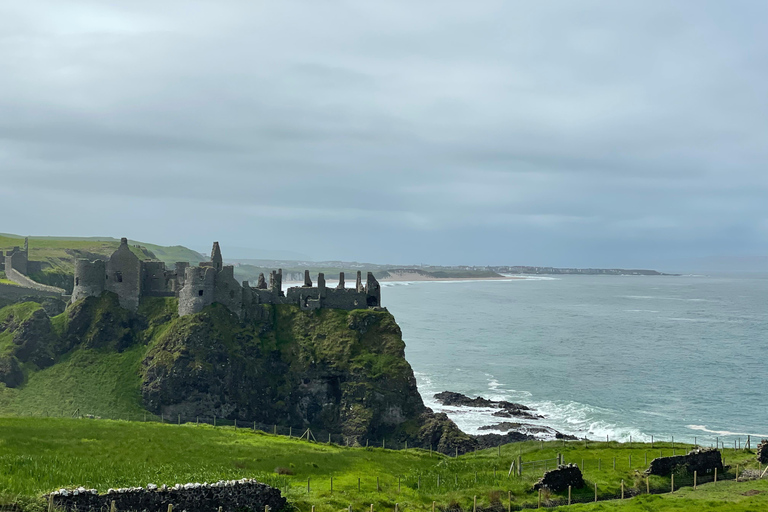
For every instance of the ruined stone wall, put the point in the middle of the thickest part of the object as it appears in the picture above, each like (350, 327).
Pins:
(124, 276)
(372, 291)
(559, 479)
(155, 278)
(702, 461)
(22, 280)
(227, 290)
(198, 290)
(90, 279)
(231, 496)
(762, 451)
(16, 259)
(181, 271)
(13, 293)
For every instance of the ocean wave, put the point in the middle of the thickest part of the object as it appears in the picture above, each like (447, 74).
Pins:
(568, 417)
(703, 428)
(656, 297)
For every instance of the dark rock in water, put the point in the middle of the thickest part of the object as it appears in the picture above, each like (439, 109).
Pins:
(229, 496)
(762, 451)
(493, 440)
(526, 428)
(443, 435)
(559, 479)
(702, 461)
(508, 409)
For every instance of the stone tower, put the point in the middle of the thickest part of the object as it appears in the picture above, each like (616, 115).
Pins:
(124, 276)
(216, 259)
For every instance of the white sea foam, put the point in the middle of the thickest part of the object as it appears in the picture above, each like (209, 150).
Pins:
(572, 418)
(703, 428)
(654, 297)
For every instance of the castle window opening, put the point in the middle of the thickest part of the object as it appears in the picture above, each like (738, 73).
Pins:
(231, 294)
(77, 281)
(200, 293)
(119, 277)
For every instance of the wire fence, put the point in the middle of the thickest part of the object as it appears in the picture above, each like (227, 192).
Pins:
(500, 478)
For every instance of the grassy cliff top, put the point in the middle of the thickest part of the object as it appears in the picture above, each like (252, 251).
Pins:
(42, 454)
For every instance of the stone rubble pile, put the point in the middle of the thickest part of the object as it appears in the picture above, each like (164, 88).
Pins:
(559, 479)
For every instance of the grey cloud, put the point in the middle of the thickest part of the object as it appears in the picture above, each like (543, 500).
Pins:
(518, 128)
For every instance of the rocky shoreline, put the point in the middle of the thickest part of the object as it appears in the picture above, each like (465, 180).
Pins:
(515, 431)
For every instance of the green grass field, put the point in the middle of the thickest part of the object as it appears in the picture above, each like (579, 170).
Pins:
(59, 253)
(41, 454)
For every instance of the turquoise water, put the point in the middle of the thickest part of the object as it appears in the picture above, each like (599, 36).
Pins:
(597, 355)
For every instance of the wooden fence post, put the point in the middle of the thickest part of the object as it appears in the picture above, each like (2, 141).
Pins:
(170, 507)
(673, 482)
(737, 472)
(715, 474)
(433, 506)
(647, 485)
(695, 477)
(595, 492)
(622, 488)
(474, 504)
(112, 506)
(569, 495)
(539, 498)
(509, 501)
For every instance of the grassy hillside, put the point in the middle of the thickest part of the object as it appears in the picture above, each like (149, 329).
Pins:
(59, 253)
(42, 454)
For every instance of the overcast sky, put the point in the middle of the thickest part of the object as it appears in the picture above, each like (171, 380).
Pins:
(567, 133)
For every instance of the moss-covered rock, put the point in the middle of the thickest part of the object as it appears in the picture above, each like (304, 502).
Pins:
(100, 322)
(329, 369)
(332, 370)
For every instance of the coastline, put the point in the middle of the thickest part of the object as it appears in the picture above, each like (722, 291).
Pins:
(419, 277)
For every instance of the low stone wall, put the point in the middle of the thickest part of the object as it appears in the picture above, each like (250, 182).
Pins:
(16, 293)
(762, 451)
(231, 496)
(559, 479)
(701, 461)
(22, 280)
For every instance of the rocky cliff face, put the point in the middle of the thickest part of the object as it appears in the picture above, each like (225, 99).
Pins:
(336, 370)
(333, 370)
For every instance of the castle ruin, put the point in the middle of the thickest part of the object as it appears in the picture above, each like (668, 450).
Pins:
(197, 287)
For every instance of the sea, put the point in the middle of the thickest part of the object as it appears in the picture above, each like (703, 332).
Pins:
(622, 357)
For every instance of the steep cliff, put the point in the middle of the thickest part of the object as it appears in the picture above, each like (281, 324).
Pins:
(339, 371)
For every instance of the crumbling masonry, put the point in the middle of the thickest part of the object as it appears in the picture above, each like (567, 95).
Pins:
(212, 281)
